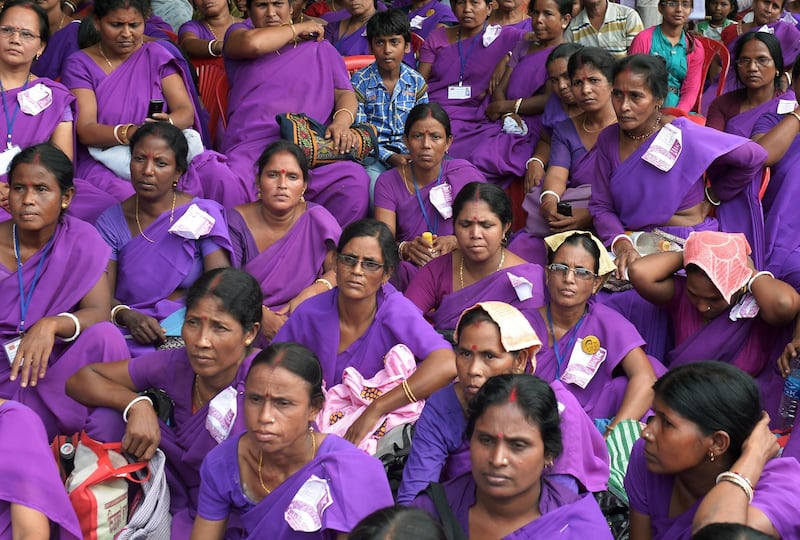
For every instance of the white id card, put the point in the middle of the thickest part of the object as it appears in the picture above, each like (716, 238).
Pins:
(6, 156)
(746, 308)
(457, 91)
(785, 106)
(665, 148)
(582, 366)
(441, 198)
(11, 348)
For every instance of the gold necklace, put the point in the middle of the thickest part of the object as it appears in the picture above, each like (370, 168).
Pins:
(60, 24)
(100, 48)
(461, 266)
(197, 389)
(210, 29)
(587, 130)
(171, 215)
(261, 461)
(646, 135)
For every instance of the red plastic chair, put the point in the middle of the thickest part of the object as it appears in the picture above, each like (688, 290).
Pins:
(199, 62)
(674, 111)
(416, 44)
(208, 76)
(217, 102)
(357, 61)
(712, 49)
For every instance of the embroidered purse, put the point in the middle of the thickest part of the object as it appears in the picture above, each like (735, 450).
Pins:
(309, 135)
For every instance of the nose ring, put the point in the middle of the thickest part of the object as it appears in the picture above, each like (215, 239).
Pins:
(505, 461)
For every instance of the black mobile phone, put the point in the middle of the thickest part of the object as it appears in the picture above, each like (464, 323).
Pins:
(564, 208)
(155, 106)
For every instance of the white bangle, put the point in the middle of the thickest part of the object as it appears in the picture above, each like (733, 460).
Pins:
(75, 320)
(116, 134)
(622, 236)
(537, 160)
(755, 276)
(324, 282)
(133, 402)
(739, 480)
(115, 311)
(548, 192)
(211, 48)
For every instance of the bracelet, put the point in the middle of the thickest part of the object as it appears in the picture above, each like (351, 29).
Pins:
(622, 236)
(115, 311)
(400, 249)
(324, 282)
(517, 105)
(294, 32)
(123, 136)
(169, 119)
(348, 111)
(211, 52)
(75, 320)
(133, 402)
(535, 160)
(549, 192)
(739, 480)
(409, 394)
(116, 135)
(71, 5)
(709, 198)
(794, 113)
(756, 276)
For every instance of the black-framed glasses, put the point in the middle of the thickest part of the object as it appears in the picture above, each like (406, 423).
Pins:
(580, 273)
(24, 34)
(761, 61)
(350, 261)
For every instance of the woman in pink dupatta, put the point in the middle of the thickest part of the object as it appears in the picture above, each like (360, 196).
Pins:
(723, 308)
(205, 381)
(286, 243)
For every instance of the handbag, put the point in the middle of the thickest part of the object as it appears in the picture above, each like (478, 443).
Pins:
(150, 517)
(97, 487)
(309, 135)
(452, 528)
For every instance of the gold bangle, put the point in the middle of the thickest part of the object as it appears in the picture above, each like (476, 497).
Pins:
(294, 32)
(324, 282)
(123, 135)
(348, 111)
(794, 113)
(409, 394)
(517, 105)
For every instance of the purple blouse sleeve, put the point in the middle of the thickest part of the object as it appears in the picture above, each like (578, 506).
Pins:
(151, 370)
(384, 194)
(636, 480)
(424, 291)
(216, 482)
(766, 122)
(560, 152)
(435, 41)
(75, 73)
(733, 172)
(601, 205)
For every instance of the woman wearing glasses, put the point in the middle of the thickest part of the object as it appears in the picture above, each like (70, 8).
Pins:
(355, 325)
(682, 52)
(591, 348)
(286, 243)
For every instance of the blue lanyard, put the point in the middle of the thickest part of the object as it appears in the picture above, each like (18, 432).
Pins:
(10, 121)
(463, 58)
(570, 343)
(25, 301)
(435, 227)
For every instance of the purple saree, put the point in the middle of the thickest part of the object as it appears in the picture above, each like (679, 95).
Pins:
(439, 451)
(432, 289)
(185, 444)
(73, 266)
(315, 324)
(634, 195)
(775, 494)
(30, 477)
(60, 45)
(197, 28)
(742, 123)
(425, 19)
(564, 514)
(345, 469)
(292, 263)
(312, 71)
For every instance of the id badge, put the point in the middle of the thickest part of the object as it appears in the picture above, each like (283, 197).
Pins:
(746, 308)
(582, 365)
(222, 411)
(6, 156)
(441, 198)
(458, 91)
(665, 148)
(416, 22)
(785, 106)
(11, 348)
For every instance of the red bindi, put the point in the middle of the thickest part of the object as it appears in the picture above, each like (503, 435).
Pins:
(474, 347)
(500, 435)
(283, 171)
(512, 397)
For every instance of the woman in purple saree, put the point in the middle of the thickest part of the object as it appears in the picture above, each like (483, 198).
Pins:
(63, 41)
(649, 169)
(162, 239)
(283, 476)
(515, 436)
(723, 308)
(485, 333)
(316, 84)
(205, 381)
(52, 321)
(481, 268)
(709, 430)
(286, 243)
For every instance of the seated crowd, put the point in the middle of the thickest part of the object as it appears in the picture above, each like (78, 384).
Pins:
(547, 243)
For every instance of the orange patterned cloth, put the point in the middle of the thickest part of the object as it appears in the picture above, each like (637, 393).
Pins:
(722, 256)
(516, 333)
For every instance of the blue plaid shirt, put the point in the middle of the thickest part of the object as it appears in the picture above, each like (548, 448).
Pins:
(388, 113)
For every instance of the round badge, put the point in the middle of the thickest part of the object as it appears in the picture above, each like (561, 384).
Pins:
(430, 12)
(590, 344)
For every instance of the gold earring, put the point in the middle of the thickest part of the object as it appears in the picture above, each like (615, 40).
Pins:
(64, 206)
(248, 341)
(302, 198)
(711, 456)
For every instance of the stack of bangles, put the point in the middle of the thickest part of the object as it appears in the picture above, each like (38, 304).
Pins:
(121, 133)
(400, 249)
(115, 311)
(211, 45)
(741, 481)
(409, 394)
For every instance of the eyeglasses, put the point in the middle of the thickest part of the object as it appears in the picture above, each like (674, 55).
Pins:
(351, 262)
(25, 35)
(580, 273)
(761, 61)
(672, 4)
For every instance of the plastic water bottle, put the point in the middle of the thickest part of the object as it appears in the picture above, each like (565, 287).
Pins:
(791, 394)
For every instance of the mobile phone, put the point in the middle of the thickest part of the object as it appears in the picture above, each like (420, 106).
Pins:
(564, 208)
(155, 106)
(313, 35)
